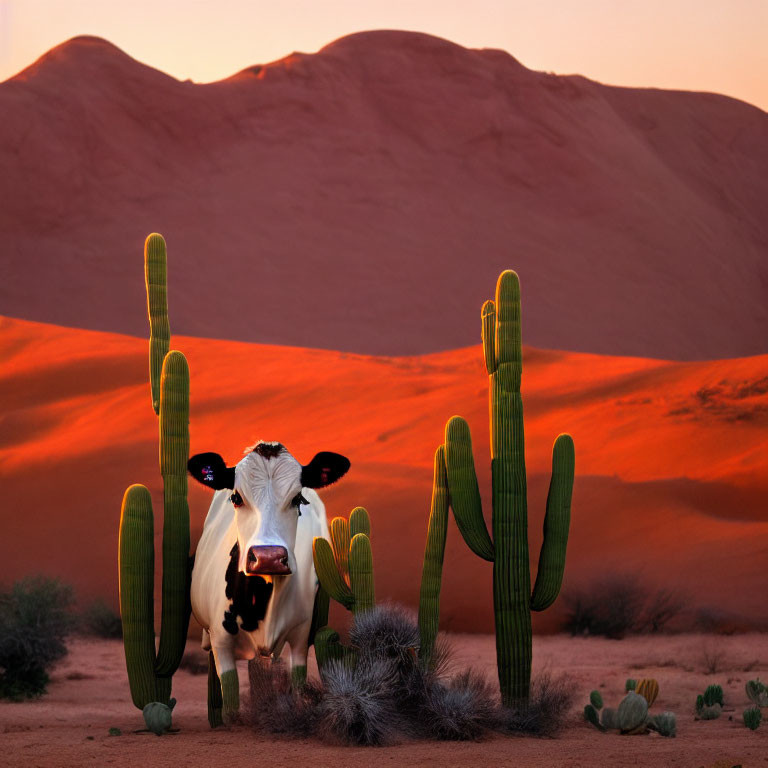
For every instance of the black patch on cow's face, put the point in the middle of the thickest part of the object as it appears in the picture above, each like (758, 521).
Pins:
(248, 595)
(324, 469)
(268, 450)
(211, 470)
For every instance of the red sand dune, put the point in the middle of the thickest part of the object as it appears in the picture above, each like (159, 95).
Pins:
(672, 467)
(365, 197)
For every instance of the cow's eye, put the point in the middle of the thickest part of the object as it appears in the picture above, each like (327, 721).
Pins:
(297, 500)
(236, 499)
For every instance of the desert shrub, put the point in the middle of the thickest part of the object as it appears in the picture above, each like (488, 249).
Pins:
(379, 693)
(35, 619)
(549, 704)
(615, 606)
(99, 619)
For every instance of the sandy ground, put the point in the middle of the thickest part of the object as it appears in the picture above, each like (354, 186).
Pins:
(89, 695)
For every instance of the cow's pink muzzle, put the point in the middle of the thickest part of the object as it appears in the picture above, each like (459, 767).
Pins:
(267, 560)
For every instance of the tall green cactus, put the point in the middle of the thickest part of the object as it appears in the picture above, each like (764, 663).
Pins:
(150, 673)
(432, 569)
(508, 549)
(344, 565)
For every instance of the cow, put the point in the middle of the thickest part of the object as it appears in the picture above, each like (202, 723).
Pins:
(253, 580)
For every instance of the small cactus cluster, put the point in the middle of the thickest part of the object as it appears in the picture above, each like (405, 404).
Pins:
(709, 705)
(631, 716)
(757, 693)
(752, 718)
(344, 568)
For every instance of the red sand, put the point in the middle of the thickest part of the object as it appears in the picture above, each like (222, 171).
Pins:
(366, 197)
(69, 727)
(671, 460)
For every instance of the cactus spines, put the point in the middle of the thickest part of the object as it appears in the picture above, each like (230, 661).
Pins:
(508, 548)
(596, 700)
(632, 713)
(432, 569)
(757, 693)
(214, 694)
(752, 718)
(648, 688)
(136, 564)
(155, 274)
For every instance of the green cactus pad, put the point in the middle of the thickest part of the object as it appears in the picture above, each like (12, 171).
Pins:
(596, 700)
(591, 716)
(157, 716)
(632, 712)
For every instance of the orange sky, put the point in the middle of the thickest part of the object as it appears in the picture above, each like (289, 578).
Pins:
(709, 45)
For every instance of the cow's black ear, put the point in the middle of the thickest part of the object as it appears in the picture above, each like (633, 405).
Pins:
(211, 470)
(324, 469)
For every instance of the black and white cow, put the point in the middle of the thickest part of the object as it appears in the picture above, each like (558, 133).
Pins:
(254, 581)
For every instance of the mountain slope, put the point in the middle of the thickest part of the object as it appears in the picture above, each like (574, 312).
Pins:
(671, 467)
(365, 197)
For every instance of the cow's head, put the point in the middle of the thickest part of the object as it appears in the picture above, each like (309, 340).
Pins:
(265, 491)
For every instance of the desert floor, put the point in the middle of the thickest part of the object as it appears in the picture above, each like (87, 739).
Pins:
(89, 695)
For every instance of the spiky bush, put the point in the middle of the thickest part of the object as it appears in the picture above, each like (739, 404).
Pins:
(380, 692)
(101, 620)
(35, 620)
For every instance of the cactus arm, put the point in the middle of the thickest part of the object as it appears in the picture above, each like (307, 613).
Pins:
(361, 572)
(174, 453)
(136, 564)
(511, 574)
(463, 488)
(328, 574)
(155, 269)
(319, 613)
(215, 702)
(339, 531)
(434, 552)
(230, 695)
(359, 522)
(556, 526)
(489, 336)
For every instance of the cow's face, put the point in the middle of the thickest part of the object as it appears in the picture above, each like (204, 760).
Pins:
(266, 488)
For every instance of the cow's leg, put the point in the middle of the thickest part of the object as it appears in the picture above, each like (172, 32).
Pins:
(299, 642)
(224, 653)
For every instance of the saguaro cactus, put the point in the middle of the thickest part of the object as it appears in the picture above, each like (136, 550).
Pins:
(150, 673)
(508, 549)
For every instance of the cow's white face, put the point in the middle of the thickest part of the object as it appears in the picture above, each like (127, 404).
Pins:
(266, 497)
(265, 491)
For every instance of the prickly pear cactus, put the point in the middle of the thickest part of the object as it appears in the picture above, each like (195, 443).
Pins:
(632, 713)
(648, 689)
(757, 693)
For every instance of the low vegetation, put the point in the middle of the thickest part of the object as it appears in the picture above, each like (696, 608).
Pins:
(618, 605)
(35, 619)
(382, 693)
(99, 619)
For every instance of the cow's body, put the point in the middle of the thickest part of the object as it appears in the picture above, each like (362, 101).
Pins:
(289, 610)
(254, 582)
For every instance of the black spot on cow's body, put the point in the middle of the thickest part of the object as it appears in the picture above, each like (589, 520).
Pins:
(268, 450)
(248, 595)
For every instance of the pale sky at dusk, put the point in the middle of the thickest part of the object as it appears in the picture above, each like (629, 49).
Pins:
(704, 45)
